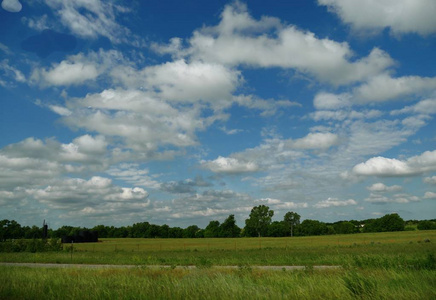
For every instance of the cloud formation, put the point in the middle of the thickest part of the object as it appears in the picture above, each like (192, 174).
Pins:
(401, 16)
(239, 39)
(381, 166)
(12, 5)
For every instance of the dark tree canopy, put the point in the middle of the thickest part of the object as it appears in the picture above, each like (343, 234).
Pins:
(291, 219)
(259, 220)
(229, 228)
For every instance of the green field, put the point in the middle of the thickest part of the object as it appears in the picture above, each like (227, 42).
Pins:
(399, 265)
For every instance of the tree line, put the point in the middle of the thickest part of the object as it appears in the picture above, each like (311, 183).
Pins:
(258, 224)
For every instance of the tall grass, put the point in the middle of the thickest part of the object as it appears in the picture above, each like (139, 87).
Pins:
(242, 283)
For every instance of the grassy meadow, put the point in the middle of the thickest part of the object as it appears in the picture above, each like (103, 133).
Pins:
(398, 265)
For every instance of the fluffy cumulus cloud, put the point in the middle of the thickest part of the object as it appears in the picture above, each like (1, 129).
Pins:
(333, 202)
(277, 204)
(195, 81)
(271, 153)
(239, 39)
(33, 162)
(430, 195)
(430, 180)
(383, 87)
(381, 187)
(230, 165)
(424, 107)
(12, 5)
(78, 69)
(144, 123)
(329, 101)
(97, 197)
(401, 16)
(377, 198)
(381, 166)
(207, 205)
(317, 140)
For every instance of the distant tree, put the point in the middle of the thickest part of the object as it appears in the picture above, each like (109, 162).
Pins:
(103, 231)
(277, 229)
(212, 230)
(291, 219)
(426, 225)
(312, 227)
(190, 231)
(229, 228)
(34, 232)
(140, 230)
(259, 220)
(10, 229)
(345, 227)
(389, 222)
(164, 230)
(175, 232)
(392, 222)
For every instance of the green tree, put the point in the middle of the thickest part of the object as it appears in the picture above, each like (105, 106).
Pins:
(259, 220)
(292, 219)
(212, 230)
(345, 227)
(313, 227)
(190, 231)
(229, 228)
(277, 229)
(392, 222)
(426, 225)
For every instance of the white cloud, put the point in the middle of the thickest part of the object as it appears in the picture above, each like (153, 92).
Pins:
(67, 73)
(425, 107)
(383, 87)
(380, 187)
(91, 19)
(78, 69)
(12, 5)
(277, 204)
(97, 196)
(401, 16)
(331, 101)
(39, 23)
(381, 166)
(240, 39)
(10, 72)
(33, 161)
(316, 141)
(399, 198)
(230, 165)
(179, 81)
(132, 173)
(271, 153)
(144, 123)
(430, 195)
(268, 107)
(333, 202)
(342, 115)
(430, 180)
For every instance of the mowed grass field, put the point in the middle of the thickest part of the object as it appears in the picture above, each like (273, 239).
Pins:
(399, 265)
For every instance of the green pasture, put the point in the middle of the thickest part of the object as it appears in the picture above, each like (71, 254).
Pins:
(370, 249)
(400, 265)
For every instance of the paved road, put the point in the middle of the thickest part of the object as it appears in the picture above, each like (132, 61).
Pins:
(93, 266)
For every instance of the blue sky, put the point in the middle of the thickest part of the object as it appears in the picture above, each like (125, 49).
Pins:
(183, 112)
